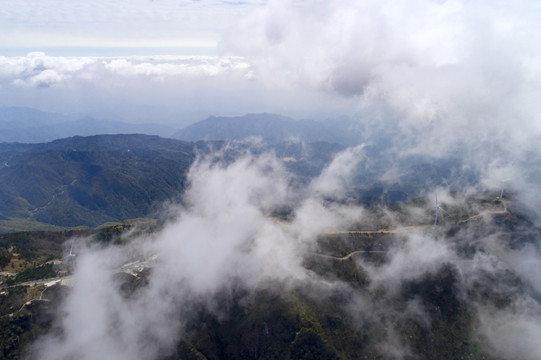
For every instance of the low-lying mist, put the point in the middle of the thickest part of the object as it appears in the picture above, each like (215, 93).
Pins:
(231, 232)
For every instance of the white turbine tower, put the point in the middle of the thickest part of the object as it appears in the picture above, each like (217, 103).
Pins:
(503, 183)
(71, 257)
(437, 209)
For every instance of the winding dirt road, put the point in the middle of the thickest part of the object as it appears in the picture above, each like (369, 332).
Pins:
(400, 230)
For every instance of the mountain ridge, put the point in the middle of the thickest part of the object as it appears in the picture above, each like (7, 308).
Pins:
(92, 180)
(271, 128)
(88, 181)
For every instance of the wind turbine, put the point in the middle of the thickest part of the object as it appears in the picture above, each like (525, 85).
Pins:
(503, 183)
(437, 208)
(71, 256)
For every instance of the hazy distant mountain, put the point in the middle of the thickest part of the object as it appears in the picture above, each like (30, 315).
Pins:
(271, 128)
(92, 180)
(26, 125)
(98, 179)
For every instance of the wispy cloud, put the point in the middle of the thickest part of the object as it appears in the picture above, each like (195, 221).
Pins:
(226, 225)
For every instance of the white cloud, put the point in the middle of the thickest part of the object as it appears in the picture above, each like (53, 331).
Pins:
(181, 66)
(418, 255)
(37, 67)
(224, 235)
(513, 333)
(335, 180)
(458, 68)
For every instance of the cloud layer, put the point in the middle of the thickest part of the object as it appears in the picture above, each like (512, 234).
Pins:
(38, 69)
(459, 66)
(225, 236)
